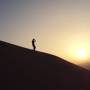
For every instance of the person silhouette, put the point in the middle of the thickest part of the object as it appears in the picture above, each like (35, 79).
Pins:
(33, 44)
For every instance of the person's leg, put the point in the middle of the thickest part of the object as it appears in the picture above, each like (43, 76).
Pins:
(34, 47)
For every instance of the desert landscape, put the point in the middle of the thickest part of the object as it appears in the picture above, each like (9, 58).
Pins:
(24, 69)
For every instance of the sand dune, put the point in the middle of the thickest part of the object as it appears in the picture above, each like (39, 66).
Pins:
(23, 69)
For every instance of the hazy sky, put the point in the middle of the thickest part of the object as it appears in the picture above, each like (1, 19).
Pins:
(61, 27)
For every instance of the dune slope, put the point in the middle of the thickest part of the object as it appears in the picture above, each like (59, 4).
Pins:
(23, 69)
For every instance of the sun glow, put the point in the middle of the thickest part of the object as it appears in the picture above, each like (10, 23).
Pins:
(81, 55)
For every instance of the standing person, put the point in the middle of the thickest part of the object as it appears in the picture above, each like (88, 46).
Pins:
(33, 44)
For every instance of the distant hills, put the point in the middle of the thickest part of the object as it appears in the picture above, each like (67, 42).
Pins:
(86, 65)
(23, 69)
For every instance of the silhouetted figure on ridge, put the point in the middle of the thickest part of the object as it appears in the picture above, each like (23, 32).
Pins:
(33, 44)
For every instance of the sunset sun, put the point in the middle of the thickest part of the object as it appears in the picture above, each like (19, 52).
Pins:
(81, 54)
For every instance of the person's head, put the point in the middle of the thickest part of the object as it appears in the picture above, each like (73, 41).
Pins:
(33, 39)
